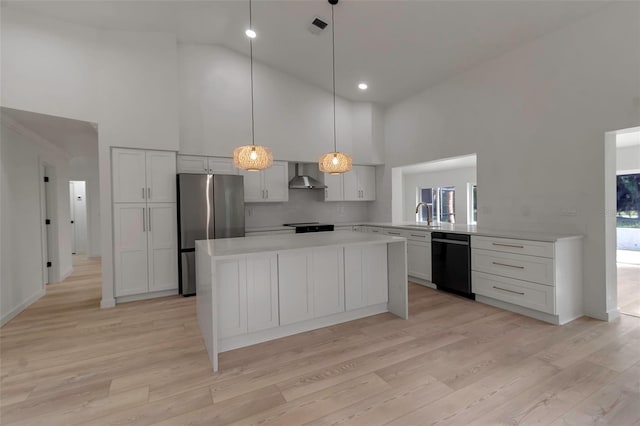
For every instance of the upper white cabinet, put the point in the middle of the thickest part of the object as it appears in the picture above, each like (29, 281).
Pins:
(143, 176)
(358, 184)
(269, 185)
(206, 165)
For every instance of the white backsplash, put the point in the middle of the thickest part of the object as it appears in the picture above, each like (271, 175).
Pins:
(305, 205)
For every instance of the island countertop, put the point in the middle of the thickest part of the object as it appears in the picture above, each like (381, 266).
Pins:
(230, 247)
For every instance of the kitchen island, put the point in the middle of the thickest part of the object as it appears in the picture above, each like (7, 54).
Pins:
(255, 289)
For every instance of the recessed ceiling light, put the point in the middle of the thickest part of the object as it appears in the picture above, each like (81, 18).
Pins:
(362, 86)
(250, 33)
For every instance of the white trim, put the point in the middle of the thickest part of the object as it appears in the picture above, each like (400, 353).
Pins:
(21, 307)
(144, 296)
(612, 314)
(422, 282)
(107, 303)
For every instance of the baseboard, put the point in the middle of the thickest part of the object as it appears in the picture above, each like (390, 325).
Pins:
(21, 307)
(144, 296)
(107, 303)
(422, 282)
(65, 275)
(613, 314)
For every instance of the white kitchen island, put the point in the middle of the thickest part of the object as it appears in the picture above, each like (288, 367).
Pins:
(255, 289)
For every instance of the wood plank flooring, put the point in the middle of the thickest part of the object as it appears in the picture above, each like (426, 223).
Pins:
(64, 361)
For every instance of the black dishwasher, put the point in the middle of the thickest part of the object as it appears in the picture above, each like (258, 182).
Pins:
(451, 263)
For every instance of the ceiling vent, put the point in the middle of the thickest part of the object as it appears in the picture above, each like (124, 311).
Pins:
(317, 25)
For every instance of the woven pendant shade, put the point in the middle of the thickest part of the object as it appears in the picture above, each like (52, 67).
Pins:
(335, 163)
(252, 157)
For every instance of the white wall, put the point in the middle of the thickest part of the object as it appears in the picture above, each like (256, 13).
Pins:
(628, 160)
(21, 245)
(536, 117)
(292, 118)
(459, 178)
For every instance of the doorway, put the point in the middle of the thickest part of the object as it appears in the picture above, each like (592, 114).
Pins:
(78, 215)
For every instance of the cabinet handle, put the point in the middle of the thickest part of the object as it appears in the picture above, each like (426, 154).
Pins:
(143, 193)
(326, 193)
(149, 209)
(144, 220)
(393, 233)
(421, 236)
(507, 290)
(375, 230)
(267, 193)
(148, 193)
(507, 265)
(507, 245)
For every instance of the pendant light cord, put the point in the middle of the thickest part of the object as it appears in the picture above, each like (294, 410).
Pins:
(333, 54)
(253, 126)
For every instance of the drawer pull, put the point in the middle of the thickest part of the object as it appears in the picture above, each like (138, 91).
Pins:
(421, 236)
(507, 265)
(507, 290)
(507, 245)
(393, 233)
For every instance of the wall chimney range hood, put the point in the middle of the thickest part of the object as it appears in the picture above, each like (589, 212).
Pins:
(303, 181)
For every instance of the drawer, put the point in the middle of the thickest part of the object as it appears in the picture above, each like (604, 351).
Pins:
(518, 266)
(529, 295)
(394, 232)
(374, 230)
(418, 236)
(507, 245)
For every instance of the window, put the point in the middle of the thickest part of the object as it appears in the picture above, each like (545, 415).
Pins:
(443, 201)
(473, 204)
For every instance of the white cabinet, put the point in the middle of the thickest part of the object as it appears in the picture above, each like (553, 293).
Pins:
(328, 281)
(143, 176)
(358, 184)
(145, 248)
(535, 278)
(247, 294)
(295, 286)
(269, 185)
(419, 259)
(365, 275)
(206, 165)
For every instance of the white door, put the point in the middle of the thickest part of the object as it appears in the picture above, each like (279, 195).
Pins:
(262, 292)
(192, 164)
(328, 281)
(355, 294)
(162, 246)
(253, 190)
(276, 181)
(231, 279)
(79, 217)
(366, 182)
(128, 175)
(295, 287)
(130, 248)
(222, 166)
(351, 190)
(161, 176)
(72, 218)
(333, 191)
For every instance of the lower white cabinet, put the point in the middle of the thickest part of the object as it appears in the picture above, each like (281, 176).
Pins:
(365, 275)
(419, 259)
(311, 284)
(247, 294)
(145, 248)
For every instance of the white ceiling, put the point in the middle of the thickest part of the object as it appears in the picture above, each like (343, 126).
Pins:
(77, 138)
(397, 46)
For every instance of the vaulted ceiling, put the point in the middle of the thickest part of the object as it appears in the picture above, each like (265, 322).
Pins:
(398, 47)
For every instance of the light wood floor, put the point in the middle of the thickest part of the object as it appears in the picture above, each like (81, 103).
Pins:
(67, 362)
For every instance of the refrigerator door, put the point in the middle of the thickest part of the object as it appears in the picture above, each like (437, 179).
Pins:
(196, 209)
(228, 204)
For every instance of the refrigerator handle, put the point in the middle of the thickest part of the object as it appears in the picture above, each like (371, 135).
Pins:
(144, 221)
(143, 193)
(148, 193)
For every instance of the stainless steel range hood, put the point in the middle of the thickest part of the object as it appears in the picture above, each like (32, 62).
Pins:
(303, 181)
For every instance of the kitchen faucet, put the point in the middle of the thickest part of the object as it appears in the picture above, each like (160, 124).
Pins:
(429, 211)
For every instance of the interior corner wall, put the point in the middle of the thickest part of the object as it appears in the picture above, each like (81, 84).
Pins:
(536, 117)
(21, 245)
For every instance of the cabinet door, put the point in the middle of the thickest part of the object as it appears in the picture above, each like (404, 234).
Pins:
(162, 246)
(276, 181)
(161, 176)
(333, 191)
(192, 164)
(295, 287)
(221, 166)
(262, 292)
(366, 182)
(328, 281)
(253, 191)
(231, 291)
(419, 259)
(130, 248)
(351, 189)
(355, 295)
(128, 176)
(374, 268)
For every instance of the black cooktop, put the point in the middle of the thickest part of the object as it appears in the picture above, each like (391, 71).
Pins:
(303, 227)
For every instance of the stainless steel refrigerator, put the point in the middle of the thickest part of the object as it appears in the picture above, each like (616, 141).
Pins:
(209, 207)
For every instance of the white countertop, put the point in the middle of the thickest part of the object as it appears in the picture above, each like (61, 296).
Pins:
(226, 247)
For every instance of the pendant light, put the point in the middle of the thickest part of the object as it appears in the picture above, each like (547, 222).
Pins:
(252, 157)
(335, 162)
